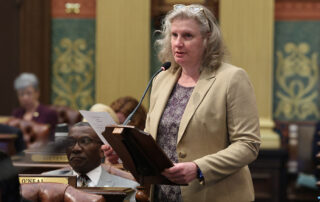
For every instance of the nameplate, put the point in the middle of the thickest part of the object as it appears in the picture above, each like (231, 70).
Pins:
(61, 180)
(38, 178)
(49, 158)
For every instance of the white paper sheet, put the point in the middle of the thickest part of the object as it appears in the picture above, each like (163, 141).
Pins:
(98, 121)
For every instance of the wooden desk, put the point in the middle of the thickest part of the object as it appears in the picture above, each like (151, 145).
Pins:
(36, 168)
(7, 143)
(300, 194)
(269, 176)
(272, 183)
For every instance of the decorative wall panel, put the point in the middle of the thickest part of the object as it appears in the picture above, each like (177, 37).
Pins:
(296, 62)
(297, 10)
(73, 54)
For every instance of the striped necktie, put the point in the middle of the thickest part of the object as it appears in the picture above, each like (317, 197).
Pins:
(83, 180)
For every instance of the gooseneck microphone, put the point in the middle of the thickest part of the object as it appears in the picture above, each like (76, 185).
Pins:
(164, 67)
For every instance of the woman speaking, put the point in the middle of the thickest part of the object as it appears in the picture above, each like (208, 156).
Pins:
(202, 113)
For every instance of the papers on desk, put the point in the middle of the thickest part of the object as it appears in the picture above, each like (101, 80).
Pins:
(98, 121)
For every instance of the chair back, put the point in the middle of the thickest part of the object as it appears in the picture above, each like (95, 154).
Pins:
(34, 134)
(45, 192)
(67, 115)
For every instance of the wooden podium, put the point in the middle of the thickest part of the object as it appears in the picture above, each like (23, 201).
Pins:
(140, 154)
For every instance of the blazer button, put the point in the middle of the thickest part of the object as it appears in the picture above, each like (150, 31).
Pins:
(182, 155)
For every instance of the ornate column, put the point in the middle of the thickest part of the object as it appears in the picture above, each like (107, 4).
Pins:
(122, 46)
(247, 27)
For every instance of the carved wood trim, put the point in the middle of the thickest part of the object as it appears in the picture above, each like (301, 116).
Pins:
(87, 9)
(297, 10)
(34, 47)
(9, 53)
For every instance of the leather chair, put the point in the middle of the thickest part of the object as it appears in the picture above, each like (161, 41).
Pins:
(67, 115)
(143, 192)
(55, 192)
(34, 134)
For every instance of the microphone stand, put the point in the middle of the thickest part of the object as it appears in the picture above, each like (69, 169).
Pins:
(165, 66)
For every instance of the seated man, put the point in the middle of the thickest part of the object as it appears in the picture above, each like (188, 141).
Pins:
(84, 155)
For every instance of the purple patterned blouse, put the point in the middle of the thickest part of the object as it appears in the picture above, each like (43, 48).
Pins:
(168, 135)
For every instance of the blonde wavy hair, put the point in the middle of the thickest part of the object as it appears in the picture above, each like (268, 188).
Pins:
(99, 107)
(214, 47)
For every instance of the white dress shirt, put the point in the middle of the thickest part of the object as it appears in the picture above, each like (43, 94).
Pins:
(94, 176)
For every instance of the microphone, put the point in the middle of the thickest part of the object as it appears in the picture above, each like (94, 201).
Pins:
(164, 67)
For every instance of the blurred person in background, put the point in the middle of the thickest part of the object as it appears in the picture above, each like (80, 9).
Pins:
(99, 107)
(123, 106)
(27, 87)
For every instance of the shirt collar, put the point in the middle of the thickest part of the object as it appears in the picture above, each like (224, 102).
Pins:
(94, 176)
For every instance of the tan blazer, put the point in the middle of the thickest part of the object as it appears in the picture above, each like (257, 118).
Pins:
(219, 131)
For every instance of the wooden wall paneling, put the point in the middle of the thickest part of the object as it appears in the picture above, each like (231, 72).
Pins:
(35, 18)
(9, 23)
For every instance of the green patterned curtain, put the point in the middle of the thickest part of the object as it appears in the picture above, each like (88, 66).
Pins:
(296, 72)
(73, 64)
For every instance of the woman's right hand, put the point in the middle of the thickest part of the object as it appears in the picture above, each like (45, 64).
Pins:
(109, 153)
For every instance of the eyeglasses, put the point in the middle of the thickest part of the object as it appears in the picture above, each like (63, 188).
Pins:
(193, 8)
(83, 142)
(196, 10)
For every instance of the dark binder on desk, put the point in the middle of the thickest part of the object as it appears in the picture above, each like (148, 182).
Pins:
(139, 153)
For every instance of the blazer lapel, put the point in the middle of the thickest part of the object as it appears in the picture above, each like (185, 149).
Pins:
(204, 83)
(162, 100)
